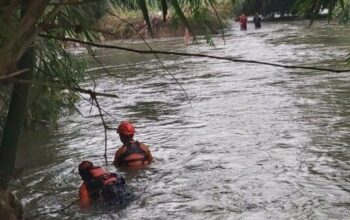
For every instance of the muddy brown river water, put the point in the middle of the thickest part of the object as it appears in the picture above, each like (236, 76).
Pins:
(260, 142)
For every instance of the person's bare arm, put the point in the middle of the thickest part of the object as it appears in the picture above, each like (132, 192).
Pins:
(84, 198)
(148, 152)
(117, 155)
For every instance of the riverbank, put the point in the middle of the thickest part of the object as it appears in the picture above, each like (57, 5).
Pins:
(132, 25)
(136, 28)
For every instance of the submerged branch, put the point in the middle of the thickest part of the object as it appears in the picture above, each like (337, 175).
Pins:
(52, 212)
(193, 55)
(93, 104)
(93, 98)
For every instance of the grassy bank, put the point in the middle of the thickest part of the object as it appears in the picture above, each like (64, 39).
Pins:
(128, 24)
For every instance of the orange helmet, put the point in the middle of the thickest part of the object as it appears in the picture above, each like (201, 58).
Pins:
(126, 128)
(85, 165)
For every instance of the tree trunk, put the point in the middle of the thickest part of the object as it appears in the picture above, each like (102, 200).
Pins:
(10, 206)
(15, 118)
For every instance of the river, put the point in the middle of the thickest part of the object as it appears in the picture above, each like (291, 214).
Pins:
(259, 142)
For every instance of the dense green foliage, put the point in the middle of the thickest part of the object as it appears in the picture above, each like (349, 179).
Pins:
(46, 103)
(264, 7)
(54, 64)
(313, 7)
(304, 8)
(343, 13)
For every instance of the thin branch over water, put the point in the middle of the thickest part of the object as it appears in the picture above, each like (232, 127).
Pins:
(155, 55)
(62, 86)
(107, 46)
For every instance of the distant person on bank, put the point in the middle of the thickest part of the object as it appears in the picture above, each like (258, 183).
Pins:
(257, 21)
(99, 184)
(132, 153)
(243, 22)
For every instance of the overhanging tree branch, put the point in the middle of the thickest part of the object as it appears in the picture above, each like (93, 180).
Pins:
(93, 98)
(13, 74)
(54, 211)
(62, 87)
(99, 45)
(134, 29)
(155, 55)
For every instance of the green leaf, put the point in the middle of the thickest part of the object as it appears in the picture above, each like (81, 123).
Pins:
(143, 7)
(164, 8)
(212, 4)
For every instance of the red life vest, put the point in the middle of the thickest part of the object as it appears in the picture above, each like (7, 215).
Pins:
(100, 174)
(102, 184)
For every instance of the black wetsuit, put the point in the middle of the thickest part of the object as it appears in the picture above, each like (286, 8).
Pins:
(257, 21)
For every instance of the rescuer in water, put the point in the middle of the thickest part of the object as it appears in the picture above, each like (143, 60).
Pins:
(243, 22)
(100, 184)
(257, 21)
(132, 153)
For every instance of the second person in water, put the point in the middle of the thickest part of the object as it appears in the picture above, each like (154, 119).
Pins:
(243, 22)
(132, 153)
